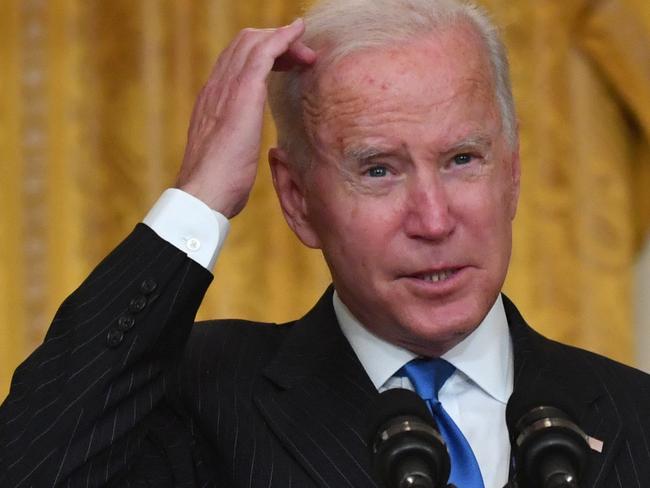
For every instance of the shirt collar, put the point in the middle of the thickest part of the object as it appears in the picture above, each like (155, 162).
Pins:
(485, 356)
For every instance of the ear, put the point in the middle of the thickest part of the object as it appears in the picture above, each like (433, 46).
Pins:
(515, 178)
(290, 186)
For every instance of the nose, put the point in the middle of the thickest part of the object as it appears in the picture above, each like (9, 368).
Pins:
(428, 210)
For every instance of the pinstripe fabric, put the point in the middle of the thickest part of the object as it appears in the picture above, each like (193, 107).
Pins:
(240, 404)
(78, 410)
(610, 401)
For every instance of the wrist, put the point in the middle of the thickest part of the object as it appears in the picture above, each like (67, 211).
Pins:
(213, 198)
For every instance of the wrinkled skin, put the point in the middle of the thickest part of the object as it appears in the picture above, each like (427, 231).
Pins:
(412, 178)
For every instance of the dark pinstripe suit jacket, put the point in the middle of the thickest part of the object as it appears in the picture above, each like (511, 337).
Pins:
(119, 395)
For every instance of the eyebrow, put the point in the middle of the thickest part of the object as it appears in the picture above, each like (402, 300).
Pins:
(360, 153)
(478, 140)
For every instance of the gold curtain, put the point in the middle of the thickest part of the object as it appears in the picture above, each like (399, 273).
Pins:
(94, 102)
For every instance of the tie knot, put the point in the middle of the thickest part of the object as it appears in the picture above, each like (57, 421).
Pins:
(428, 375)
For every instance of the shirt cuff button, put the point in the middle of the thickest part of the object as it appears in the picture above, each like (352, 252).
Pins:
(193, 244)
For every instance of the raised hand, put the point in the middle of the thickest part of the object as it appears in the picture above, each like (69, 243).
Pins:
(224, 137)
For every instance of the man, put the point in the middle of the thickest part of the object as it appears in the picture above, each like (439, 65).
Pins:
(398, 159)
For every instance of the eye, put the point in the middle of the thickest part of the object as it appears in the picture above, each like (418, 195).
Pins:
(463, 158)
(377, 171)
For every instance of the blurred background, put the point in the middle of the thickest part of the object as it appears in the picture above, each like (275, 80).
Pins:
(95, 97)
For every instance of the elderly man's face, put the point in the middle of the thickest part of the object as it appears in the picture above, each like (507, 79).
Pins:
(414, 188)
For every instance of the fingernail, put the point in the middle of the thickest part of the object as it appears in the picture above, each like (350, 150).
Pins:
(296, 22)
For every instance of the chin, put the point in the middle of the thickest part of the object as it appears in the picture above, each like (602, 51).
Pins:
(433, 344)
(434, 332)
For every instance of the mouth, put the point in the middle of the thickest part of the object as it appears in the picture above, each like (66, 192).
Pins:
(436, 276)
(440, 281)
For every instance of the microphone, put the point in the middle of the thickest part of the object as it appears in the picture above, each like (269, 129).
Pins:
(550, 450)
(407, 450)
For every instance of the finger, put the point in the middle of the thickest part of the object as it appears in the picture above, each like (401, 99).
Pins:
(250, 57)
(233, 58)
(249, 43)
(227, 71)
(303, 53)
(264, 54)
(298, 55)
(274, 41)
(235, 55)
(295, 29)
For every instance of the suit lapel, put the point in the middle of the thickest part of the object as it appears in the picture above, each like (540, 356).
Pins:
(317, 398)
(547, 372)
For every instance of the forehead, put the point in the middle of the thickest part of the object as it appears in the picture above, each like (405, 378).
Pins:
(413, 80)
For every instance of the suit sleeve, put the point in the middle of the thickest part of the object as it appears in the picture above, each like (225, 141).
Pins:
(79, 407)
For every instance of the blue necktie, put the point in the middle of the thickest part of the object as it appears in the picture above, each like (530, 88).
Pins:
(427, 377)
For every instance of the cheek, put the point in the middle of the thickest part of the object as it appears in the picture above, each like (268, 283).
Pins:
(360, 230)
(486, 210)
(356, 232)
(332, 216)
(342, 209)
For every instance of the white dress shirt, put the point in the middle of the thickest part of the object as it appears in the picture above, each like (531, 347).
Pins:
(475, 396)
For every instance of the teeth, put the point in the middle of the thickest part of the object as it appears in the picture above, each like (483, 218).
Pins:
(439, 276)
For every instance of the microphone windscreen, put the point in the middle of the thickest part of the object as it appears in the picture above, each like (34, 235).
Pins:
(541, 392)
(394, 403)
(406, 447)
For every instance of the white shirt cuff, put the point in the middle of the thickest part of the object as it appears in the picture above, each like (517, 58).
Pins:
(190, 225)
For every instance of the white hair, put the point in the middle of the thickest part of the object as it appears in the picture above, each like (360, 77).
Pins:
(338, 28)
